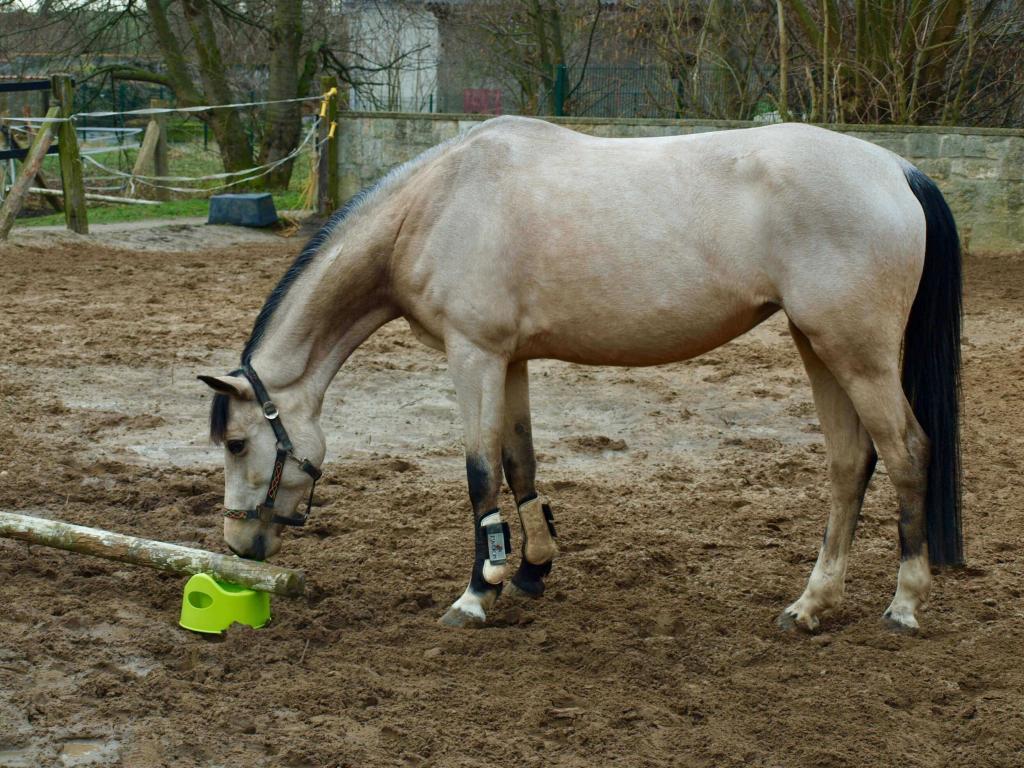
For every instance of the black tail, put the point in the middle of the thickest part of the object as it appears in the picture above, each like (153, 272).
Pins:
(931, 369)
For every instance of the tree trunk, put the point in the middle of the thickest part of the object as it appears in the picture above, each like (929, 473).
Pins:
(825, 28)
(283, 122)
(233, 141)
(783, 64)
(171, 52)
(942, 45)
(538, 16)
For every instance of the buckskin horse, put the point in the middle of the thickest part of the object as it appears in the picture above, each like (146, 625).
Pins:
(521, 240)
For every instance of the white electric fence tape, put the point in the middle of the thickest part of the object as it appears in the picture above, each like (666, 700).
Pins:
(158, 110)
(248, 174)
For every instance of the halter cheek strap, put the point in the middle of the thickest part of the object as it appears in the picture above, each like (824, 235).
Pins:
(285, 451)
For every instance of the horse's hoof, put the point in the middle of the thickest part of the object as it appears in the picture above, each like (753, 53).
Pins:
(522, 588)
(786, 621)
(456, 617)
(790, 621)
(901, 623)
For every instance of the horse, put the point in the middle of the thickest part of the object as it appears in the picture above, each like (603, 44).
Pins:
(520, 240)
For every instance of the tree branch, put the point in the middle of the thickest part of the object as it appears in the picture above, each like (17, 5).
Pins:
(590, 45)
(137, 74)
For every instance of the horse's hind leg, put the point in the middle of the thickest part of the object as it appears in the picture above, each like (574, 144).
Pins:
(520, 471)
(905, 449)
(866, 365)
(851, 461)
(479, 378)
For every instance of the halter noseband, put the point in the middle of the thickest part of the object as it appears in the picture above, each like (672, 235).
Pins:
(285, 450)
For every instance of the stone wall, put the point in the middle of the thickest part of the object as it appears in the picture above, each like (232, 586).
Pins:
(981, 171)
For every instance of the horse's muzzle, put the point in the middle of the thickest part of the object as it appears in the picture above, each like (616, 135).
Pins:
(257, 551)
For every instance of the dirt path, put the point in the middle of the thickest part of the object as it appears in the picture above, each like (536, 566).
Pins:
(690, 500)
(183, 233)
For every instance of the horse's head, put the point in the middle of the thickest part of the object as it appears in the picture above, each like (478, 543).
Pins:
(268, 471)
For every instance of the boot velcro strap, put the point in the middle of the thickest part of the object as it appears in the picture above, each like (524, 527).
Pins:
(549, 518)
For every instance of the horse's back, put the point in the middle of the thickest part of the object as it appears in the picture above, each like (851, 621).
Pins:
(737, 186)
(679, 243)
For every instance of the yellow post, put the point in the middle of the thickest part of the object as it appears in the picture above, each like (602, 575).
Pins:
(328, 176)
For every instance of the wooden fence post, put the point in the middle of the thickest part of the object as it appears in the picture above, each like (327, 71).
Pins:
(327, 189)
(147, 149)
(160, 162)
(63, 89)
(154, 147)
(29, 168)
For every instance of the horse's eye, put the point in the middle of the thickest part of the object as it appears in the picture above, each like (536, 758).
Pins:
(236, 447)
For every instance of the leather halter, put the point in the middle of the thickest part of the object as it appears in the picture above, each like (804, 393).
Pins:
(285, 450)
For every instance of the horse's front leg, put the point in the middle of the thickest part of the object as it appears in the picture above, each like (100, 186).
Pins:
(520, 467)
(479, 378)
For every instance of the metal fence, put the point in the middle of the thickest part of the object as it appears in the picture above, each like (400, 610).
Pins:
(609, 91)
(364, 103)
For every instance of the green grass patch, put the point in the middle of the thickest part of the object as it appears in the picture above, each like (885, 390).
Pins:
(112, 213)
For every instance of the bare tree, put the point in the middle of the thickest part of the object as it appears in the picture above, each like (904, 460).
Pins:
(539, 50)
(395, 45)
(713, 52)
(206, 52)
(911, 61)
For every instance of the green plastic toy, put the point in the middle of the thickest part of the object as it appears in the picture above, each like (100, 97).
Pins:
(210, 605)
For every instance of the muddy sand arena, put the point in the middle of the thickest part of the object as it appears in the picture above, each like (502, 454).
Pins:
(690, 501)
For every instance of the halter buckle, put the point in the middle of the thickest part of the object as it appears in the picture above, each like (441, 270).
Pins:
(270, 411)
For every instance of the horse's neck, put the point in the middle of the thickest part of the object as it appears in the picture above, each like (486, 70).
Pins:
(338, 301)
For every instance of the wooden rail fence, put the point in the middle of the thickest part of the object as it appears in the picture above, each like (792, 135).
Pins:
(62, 88)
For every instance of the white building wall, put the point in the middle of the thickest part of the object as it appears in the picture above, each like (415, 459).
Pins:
(394, 51)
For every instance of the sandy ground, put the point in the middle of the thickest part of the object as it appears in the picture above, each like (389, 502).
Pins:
(185, 233)
(690, 498)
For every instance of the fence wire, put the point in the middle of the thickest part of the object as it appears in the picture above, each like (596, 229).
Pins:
(110, 142)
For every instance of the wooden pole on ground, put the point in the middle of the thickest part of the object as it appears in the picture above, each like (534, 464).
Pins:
(328, 177)
(152, 554)
(77, 220)
(29, 168)
(52, 193)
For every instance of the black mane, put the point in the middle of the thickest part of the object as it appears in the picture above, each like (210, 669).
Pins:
(221, 402)
(311, 249)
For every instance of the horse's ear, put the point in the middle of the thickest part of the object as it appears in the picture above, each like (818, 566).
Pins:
(233, 386)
